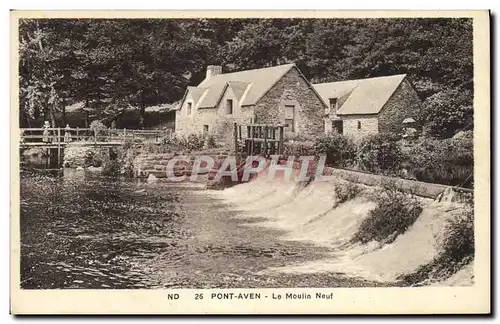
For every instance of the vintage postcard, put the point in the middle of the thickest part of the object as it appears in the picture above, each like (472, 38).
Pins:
(267, 162)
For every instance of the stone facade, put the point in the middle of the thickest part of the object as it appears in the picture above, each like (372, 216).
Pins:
(358, 126)
(218, 121)
(400, 106)
(292, 90)
(293, 101)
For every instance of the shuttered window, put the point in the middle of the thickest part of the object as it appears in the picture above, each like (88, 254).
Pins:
(290, 118)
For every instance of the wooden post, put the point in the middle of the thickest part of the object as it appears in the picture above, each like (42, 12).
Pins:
(251, 140)
(77, 133)
(58, 146)
(95, 136)
(265, 140)
(281, 140)
(235, 131)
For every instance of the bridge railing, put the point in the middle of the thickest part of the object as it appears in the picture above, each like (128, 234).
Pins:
(63, 135)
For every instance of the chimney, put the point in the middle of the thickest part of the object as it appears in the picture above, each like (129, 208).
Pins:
(213, 70)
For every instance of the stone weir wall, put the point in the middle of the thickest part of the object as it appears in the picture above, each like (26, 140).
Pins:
(422, 189)
(155, 164)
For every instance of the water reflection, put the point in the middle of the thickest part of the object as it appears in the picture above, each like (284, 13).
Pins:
(84, 232)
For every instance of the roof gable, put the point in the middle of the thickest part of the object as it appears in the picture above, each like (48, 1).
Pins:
(238, 88)
(259, 80)
(364, 96)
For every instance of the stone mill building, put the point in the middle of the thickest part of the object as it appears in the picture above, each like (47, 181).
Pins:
(282, 95)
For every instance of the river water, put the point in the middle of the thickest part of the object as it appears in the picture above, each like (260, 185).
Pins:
(79, 230)
(87, 232)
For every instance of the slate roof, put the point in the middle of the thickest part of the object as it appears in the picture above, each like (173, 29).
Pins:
(248, 86)
(364, 96)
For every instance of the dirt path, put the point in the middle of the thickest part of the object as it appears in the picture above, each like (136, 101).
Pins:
(219, 252)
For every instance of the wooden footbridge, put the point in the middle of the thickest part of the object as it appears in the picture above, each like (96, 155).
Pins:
(56, 137)
(59, 138)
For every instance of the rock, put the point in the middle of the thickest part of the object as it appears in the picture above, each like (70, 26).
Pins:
(152, 178)
(94, 169)
(79, 168)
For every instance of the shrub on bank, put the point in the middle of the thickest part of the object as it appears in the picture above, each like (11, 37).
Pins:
(299, 148)
(394, 213)
(458, 241)
(446, 161)
(380, 153)
(345, 190)
(193, 142)
(340, 150)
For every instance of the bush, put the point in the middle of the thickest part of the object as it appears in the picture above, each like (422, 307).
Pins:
(344, 191)
(458, 242)
(299, 148)
(111, 168)
(193, 142)
(394, 213)
(210, 142)
(380, 153)
(340, 150)
(93, 158)
(98, 127)
(448, 161)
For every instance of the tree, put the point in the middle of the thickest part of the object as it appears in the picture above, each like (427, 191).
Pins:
(445, 113)
(111, 64)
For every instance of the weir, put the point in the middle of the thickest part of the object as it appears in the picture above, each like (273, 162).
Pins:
(310, 213)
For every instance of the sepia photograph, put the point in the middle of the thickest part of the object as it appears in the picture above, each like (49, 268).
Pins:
(237, 157)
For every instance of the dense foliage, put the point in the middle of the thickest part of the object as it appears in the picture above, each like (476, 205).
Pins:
(339, 150)
(447, 161)
(346, 190)
(394, 213)
(379, 153)
(114, 63)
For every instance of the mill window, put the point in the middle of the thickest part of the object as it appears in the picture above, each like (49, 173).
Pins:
(333, 104)
(229, 106)
(290, 117)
